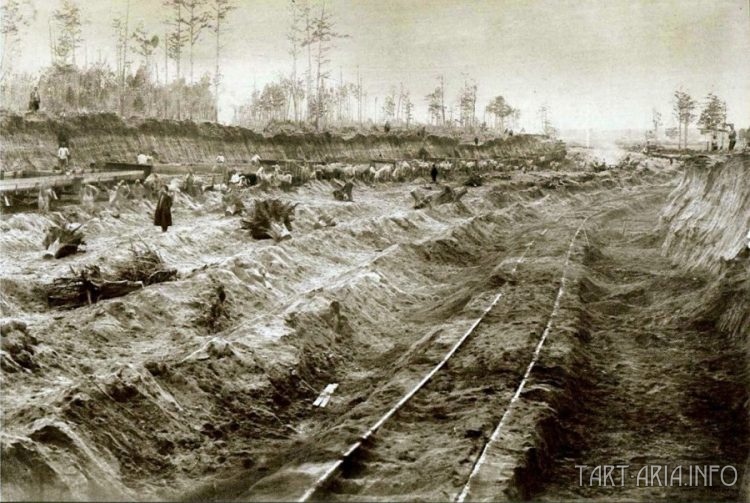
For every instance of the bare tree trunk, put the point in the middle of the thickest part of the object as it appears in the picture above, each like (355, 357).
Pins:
(178, 48)
(166, 72)
(341, 103)
(442, 97)
(293, 34)
(318, 108)
(683, 136)
(191, 33)
(178, 54)
(216, 72)
(398, 103)
(294, 83)
(309, 57)
(473, 117)
(686, 129)
(124, 60)
(359, 97)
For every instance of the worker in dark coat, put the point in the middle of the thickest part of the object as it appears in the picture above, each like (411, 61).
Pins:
(434, 172)
(34, 100)
(163, 214)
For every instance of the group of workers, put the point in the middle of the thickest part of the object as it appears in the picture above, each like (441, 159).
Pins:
(153, 184)
(117, 196)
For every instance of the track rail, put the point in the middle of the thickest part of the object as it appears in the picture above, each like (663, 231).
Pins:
(335, 468)
(535, 357)
(330, 474)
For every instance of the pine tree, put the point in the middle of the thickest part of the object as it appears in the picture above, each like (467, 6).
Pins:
(68, 20)
(321, 34)
(195, 20)
(714, 113)
(15, 15)
(219, 9)
(684, 105)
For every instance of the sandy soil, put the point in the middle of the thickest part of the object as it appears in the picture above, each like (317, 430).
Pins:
(140, 398)
(666, 389)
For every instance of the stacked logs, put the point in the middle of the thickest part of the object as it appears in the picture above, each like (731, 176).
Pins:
(90, 284)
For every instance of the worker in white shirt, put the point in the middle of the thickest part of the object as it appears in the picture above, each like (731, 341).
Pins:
(63, 156)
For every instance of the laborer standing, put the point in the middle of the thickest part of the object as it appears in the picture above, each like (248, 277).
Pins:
(117, 196)
(220, 164)
(34, 100)
(63, 156)
(88, 196)
(434, 172)
(43, 200)
(732, 137)
(189, 185)
(138, 191)
(152, 183)
(163, 213)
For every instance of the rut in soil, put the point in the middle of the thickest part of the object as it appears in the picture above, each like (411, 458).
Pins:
(666, 389)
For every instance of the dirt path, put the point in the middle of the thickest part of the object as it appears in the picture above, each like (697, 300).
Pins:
(664, 389)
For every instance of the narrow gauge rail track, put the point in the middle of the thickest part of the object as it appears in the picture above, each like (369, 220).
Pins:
(319, 490)
(466, 491)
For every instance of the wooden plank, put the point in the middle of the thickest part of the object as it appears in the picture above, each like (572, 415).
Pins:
(30, 184)
(325, 395)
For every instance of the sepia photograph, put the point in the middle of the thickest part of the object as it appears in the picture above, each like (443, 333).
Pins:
(375, 250)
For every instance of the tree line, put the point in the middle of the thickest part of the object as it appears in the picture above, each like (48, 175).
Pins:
(711, 119)
(310, 94)
(153, 72)
(133, 85)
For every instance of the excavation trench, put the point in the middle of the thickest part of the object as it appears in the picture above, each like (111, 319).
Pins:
(660, 390)
(205, 383)
(197, 385)
(403, 460)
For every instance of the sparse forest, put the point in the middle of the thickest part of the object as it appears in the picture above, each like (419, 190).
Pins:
(711, 121)
(153, 73)
(136, 84)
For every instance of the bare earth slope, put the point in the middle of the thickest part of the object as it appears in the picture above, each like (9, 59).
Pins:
(201, 388)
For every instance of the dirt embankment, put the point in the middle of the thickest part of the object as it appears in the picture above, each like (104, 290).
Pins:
(30, 143)
(708, 221)
(635, 372)
(708, 227)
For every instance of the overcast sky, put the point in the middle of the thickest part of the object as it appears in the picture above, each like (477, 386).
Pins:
(597, 63)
